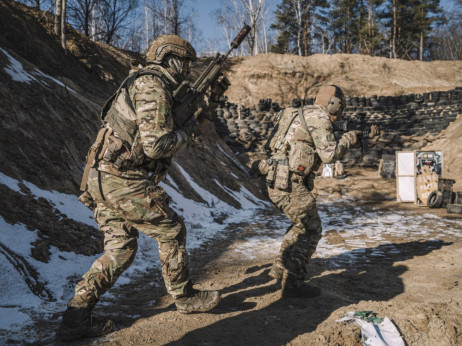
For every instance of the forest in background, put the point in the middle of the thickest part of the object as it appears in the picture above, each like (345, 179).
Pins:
(403, 29)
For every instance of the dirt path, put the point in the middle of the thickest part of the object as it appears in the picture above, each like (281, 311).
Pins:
(400, 261)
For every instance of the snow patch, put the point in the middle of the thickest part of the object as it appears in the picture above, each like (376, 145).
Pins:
(17, 72)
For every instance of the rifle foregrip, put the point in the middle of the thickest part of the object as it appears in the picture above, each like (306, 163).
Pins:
(240, 36)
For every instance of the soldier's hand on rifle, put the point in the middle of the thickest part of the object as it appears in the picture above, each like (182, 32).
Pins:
(218, 88)
(374, 132)
(192, 128)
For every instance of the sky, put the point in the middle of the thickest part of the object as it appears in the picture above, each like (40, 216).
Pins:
(206, 22)
(210, 30)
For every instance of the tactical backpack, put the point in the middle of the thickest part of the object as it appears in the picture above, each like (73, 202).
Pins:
(283, 158)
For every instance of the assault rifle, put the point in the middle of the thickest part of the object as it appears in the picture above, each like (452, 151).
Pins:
(189, 98)
(362, 130)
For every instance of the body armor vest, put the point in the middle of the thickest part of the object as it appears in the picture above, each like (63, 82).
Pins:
(118, 111)
(117, 143)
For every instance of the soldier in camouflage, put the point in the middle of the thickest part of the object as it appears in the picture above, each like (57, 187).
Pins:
(131, 154)
(302, 139)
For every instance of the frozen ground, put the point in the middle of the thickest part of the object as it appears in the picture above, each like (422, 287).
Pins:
(352, 234)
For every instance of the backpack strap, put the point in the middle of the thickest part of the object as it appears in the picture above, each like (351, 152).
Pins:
(302, 119)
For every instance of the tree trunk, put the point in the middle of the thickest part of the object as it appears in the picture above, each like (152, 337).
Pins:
(421, 45)
(421, 33)
(63, 24)
(59, 4)
(93, 23)
(369, 26)
(305, 37)
(395, 20)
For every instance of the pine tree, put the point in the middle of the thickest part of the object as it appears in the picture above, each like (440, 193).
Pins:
(297, 22)
(426, 12)
(370, 38)
(408, 24)
(346, 24)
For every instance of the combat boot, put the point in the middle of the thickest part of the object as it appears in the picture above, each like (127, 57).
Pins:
(298, 289)
(79, 323)
(197, 301)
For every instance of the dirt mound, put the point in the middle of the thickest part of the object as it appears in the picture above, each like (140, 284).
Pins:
(450, 142)
(52, 98)
(285, 77)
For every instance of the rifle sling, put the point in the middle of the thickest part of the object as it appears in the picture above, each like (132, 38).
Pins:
(302, 119)
(94, 151)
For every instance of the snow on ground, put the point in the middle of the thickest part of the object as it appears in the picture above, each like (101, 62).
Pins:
(358, 229)
(63, 270)
(18, 73)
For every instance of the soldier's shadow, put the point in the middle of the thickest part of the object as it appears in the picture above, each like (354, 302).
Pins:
(361, 275)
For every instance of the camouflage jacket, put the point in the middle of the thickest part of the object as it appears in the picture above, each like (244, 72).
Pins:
(155, 139)
(306, 148)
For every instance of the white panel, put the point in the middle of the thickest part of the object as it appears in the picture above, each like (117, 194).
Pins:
(406, 187)
(406, 164)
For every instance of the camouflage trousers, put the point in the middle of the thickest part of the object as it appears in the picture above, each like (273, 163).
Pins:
(130, 206)
(300, 241)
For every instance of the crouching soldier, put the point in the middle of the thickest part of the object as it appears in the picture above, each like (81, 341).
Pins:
(301, 140)
(132, 153)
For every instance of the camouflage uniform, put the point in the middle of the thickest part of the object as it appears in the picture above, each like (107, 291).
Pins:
(306, 150)
(128, 199)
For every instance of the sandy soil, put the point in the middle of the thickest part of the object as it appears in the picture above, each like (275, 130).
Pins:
(284, 77)
(411, 277)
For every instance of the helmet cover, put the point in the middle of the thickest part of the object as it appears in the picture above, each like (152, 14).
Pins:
(165, 45)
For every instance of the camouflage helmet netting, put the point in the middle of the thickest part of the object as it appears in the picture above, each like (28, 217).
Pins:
(169, 44)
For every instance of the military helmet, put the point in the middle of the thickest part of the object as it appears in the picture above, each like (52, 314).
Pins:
(169, 44)
(332, 99)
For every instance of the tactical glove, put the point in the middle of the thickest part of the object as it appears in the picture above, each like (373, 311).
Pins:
(192, 128)
(259, 167)
(218, 88)
(349, 139)
(375, 132)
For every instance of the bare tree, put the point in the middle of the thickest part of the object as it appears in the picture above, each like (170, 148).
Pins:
(446, 42)
(60, 21)
(253, 9)
(172, 16)
(58, 14)
(114, 13)
(301, 9)
(235, 13)
(81, 14)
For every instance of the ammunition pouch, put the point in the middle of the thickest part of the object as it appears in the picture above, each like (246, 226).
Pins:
(301, 159)
(278, 174)
(282, 175)
(121, 155)
(271, 173)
